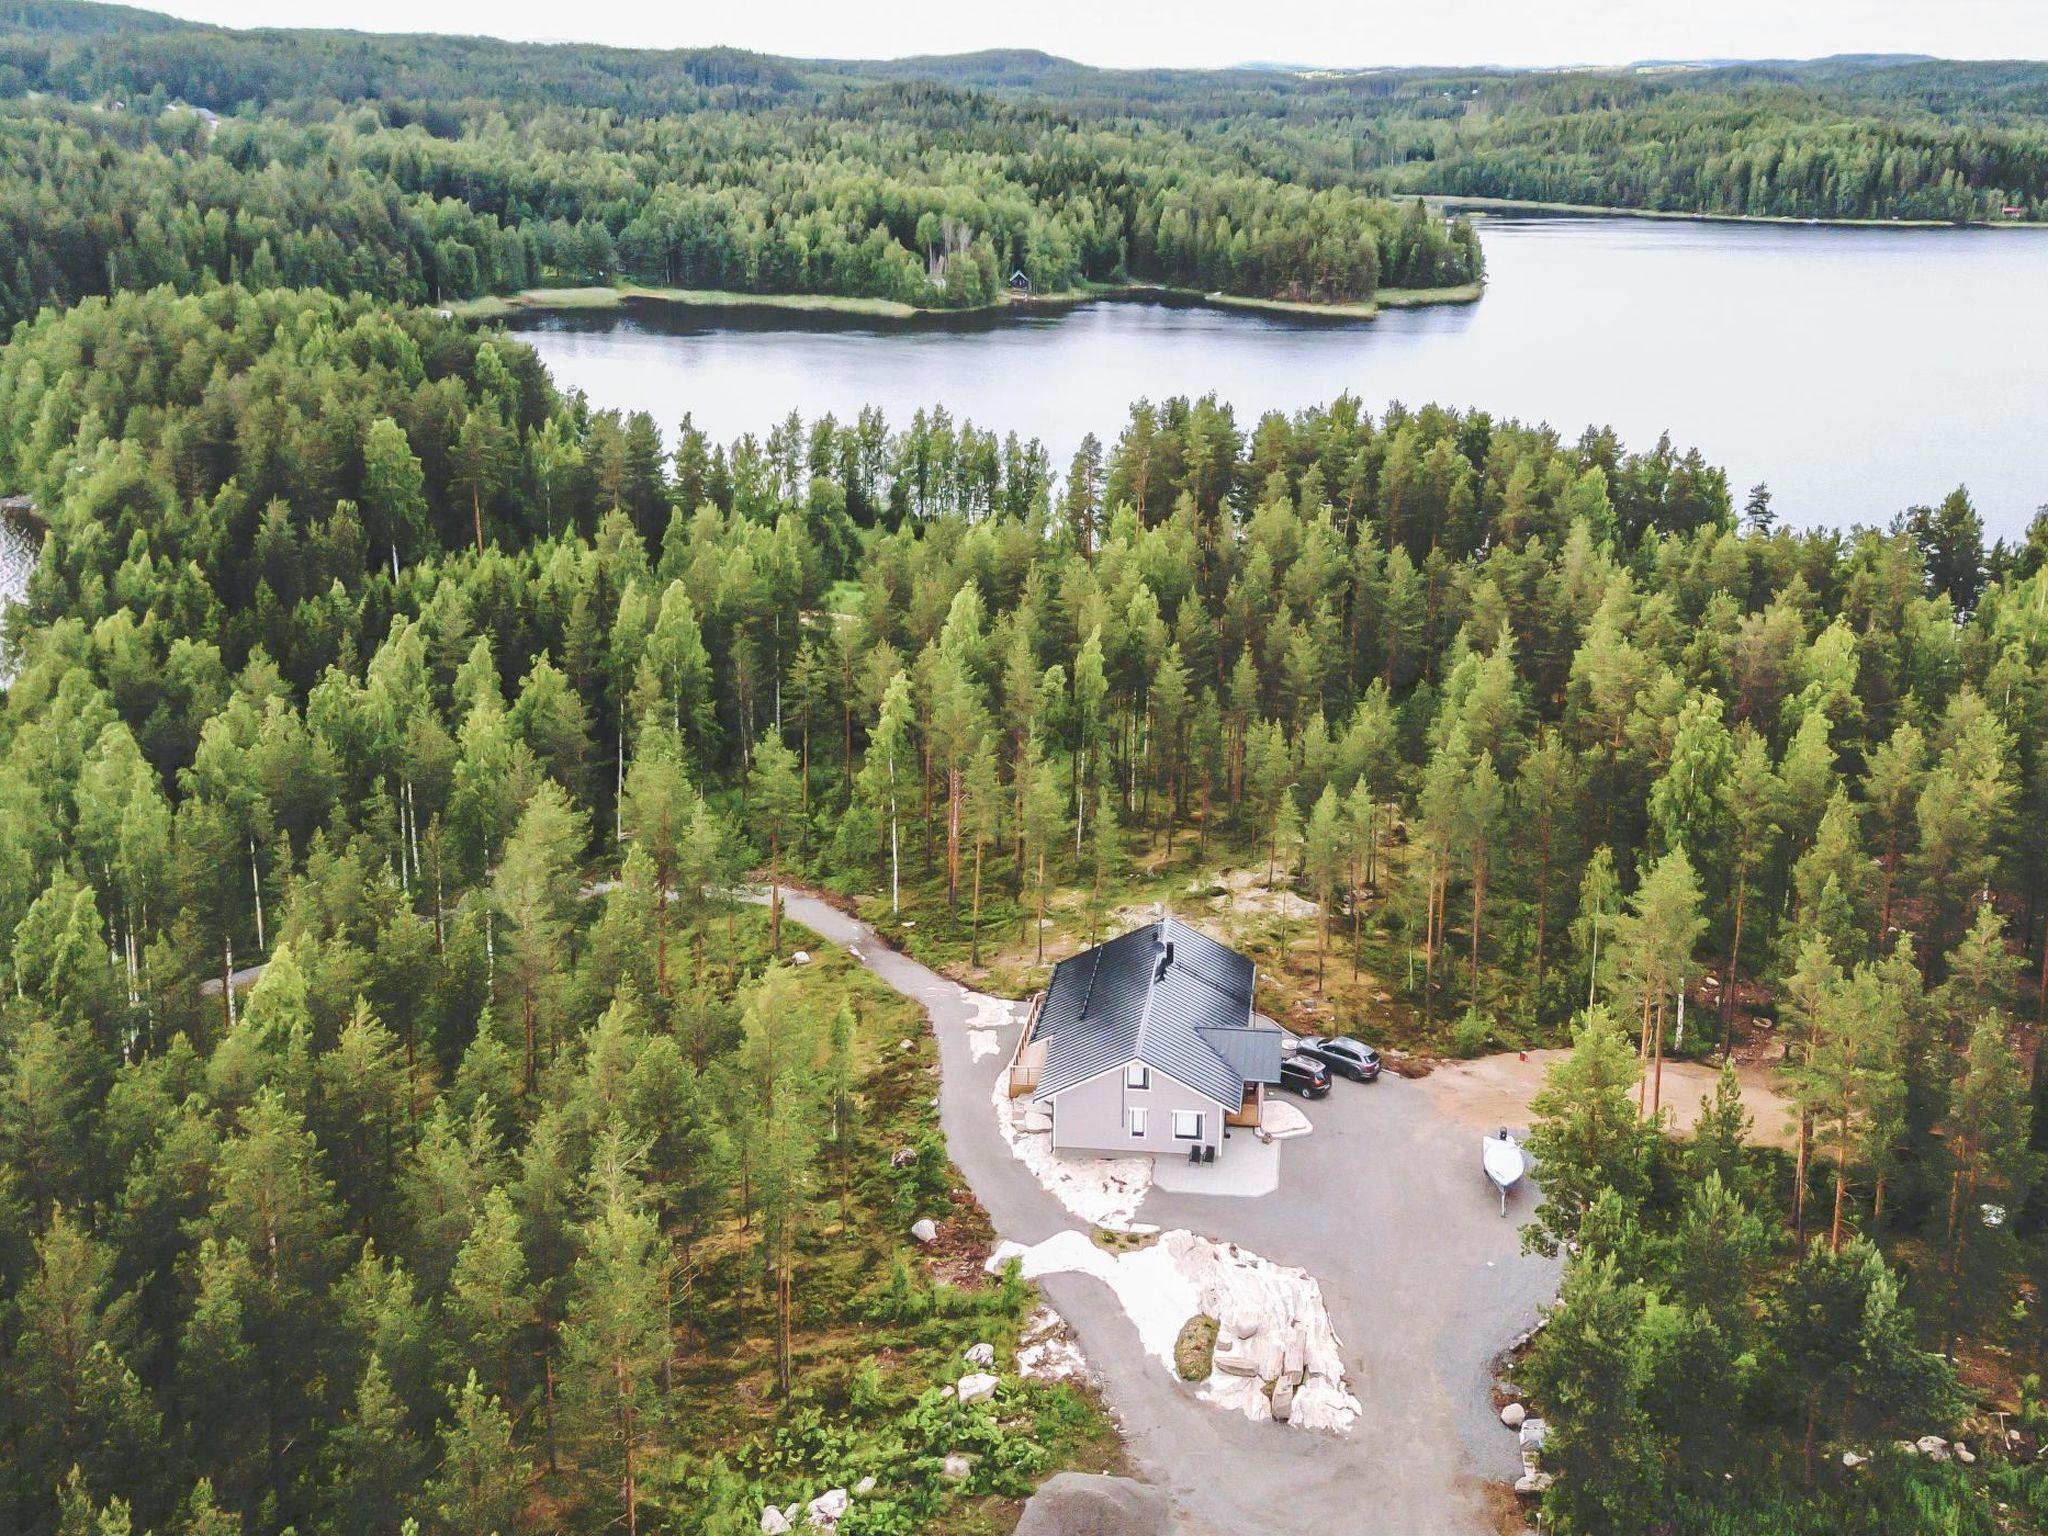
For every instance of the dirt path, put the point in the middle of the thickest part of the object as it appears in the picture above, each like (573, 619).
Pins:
(1496, 1090)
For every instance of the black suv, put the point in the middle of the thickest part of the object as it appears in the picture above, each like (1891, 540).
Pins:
(1357, 1061)
(1310, 1079)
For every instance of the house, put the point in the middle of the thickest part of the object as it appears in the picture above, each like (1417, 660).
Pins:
(1019, 283)
(1148, 1044)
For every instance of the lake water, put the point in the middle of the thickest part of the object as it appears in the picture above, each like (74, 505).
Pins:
(1856, 371)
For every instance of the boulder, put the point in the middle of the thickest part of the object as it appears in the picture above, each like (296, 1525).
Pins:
(865, 1486)
(800, 957)
(773, 1522)
(1234, 1356)
(1035, 1121)
(902, 1157)
(1081, 1504)
(1532, 1434)
(1964, 1454)
(1283, 1399)
(827, 1507)
(1852, 1460)
(1513, 1414)
(925, 1230)
(1907, 1447)
(958, 1467)
(1933, 1447)
(1533, 1482)
(977, 1387)
(983, 1355)
(902, 1045)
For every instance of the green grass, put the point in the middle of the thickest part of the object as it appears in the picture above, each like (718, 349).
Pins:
(1533, 205)
(1416, 298)
(1357, 310)
(594, 297)
(1194, 1352)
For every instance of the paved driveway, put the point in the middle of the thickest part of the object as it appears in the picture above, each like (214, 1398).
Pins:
(1384, 1204)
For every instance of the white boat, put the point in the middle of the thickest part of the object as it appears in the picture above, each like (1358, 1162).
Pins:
(1504, 1161)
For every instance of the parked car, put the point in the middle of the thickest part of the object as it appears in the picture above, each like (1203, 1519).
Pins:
(1306, 1076)
(1353, 1058)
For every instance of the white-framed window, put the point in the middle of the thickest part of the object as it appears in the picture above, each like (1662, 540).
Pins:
(1137, 1075)
(1137, 1118)
(1187, 1125)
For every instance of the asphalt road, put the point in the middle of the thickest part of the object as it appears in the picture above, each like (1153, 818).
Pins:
(1384, 1204)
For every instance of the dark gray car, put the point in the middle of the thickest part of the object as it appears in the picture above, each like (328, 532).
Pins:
(1343, 1055)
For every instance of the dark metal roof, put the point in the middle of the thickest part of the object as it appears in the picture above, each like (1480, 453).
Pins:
(1165, 995)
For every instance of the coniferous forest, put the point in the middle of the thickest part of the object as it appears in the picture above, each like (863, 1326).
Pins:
(406, 1121)
(431, 170)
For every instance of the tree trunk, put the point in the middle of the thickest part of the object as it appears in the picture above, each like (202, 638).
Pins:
(1841, 1187)
(1799, 1178)
(1728, 977)
(1041, 906)
(974, 920)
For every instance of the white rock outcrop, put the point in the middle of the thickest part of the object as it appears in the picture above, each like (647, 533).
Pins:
(773, 1522)
(1102, 1191)
(1271, 1320)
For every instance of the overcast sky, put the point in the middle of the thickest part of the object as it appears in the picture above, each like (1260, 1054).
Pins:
(1214, 32)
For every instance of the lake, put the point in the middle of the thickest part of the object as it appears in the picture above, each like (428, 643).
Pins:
(1856, 371)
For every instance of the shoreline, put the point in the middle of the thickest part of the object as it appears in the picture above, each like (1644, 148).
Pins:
(1484, 205)
(491, 307)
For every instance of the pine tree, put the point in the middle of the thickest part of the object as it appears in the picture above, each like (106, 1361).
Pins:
(1106, 861)
(374, 1463)
(615, 1340)
(490, 1307)
(1991, 1169)
(1653, 954)
(883, 776)
(1326, 857)
(535, 891)
(481, 1487)
(1585, 1135)
(776, 797)
(981, 824)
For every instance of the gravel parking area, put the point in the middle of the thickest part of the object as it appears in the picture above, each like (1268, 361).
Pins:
(1385, 1205)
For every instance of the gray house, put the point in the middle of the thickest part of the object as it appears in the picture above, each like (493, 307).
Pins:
(1148, 1044)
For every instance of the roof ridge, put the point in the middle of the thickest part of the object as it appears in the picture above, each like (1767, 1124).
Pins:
(1142, 1035)
(1154, 975)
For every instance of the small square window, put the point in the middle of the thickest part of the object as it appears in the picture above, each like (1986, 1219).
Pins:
(1138, 1117)
(1187, 1125)
(1137, 1075)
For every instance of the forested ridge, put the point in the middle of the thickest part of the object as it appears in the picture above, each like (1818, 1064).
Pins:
(358, 648)
(432, 169)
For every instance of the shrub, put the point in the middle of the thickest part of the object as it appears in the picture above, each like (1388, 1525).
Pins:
(1472, 1034)
(1194, 1352)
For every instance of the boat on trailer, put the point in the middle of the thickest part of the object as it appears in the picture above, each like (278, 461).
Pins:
(1504, 1161)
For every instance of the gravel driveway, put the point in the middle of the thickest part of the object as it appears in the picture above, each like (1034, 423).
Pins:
(1384, 1204)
